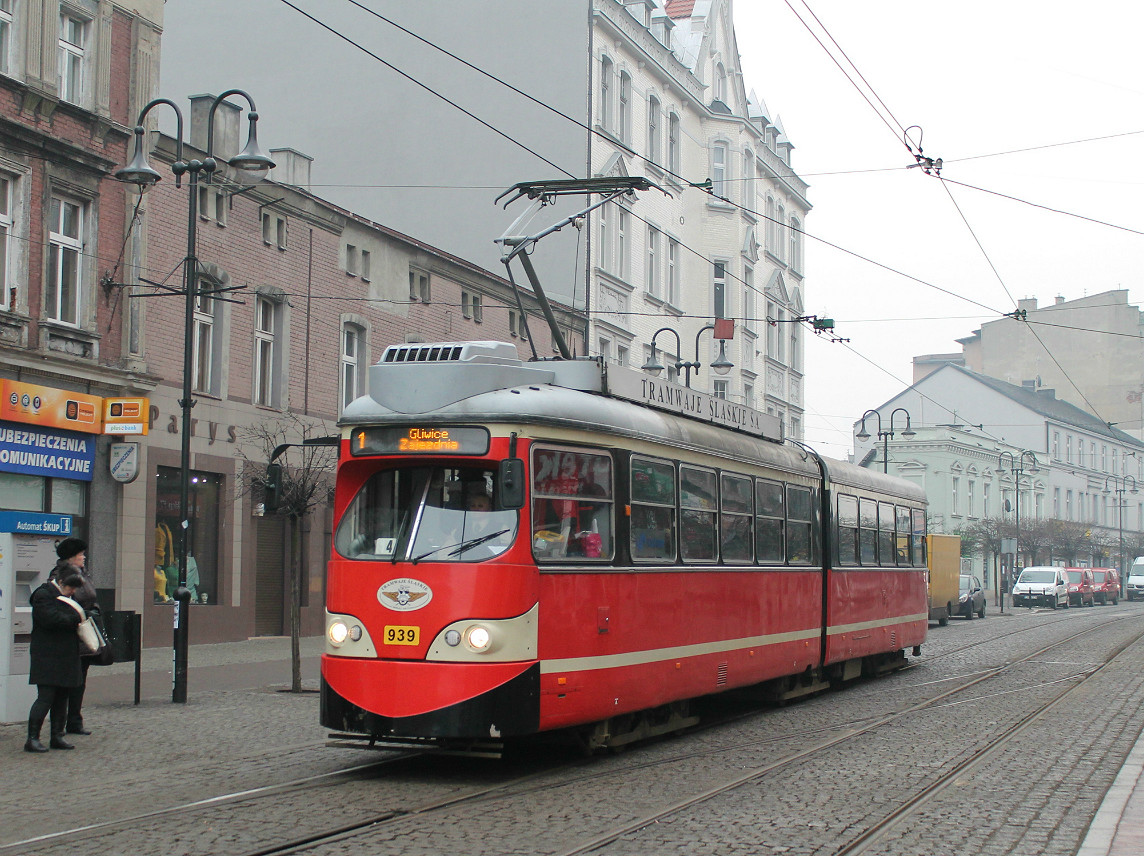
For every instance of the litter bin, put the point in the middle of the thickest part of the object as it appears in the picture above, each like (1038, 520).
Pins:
(123, 628)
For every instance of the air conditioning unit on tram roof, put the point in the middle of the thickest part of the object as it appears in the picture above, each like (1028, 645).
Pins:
(444, 373)
(496, 353)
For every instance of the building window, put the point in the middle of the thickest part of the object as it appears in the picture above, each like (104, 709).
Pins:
(672, 295)
(273, 230)
(780, 223)
(606, 349)
(749, 395)
(719, 290)
(267, 348)
(605, 117)
(73, 55)
(351, 260)
(720, 83)
(605, 252)
(202, 534)
(771, 226)
(365, 263)
(5, 35)
(352, 345)
(651, 267)
(204, 345)
(653, 129)
(955, 499)
(719, 388)
(719, 169)
(419, 286)
(471, 306)
(1068, 448)
(621, 355)
(1057, 447)
(623, 218)
(6, 207)
(748, 179)
(1068, 505)
(795, 244)
(220, 208)
(517, 326)
(65, 247)
(749, 321)
(673, 143)
(624, 129)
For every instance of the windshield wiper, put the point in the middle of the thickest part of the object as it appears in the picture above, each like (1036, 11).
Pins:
(458, 549)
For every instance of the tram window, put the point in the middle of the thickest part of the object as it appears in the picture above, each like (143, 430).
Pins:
(572, 504)
(867, 532)
(735, 518)
(770, 513)
(800, 525)
(902, 536)
(426, 513)
(653, 510)
(697, 513)
(847, 530)
(886, 534)
(918, 536)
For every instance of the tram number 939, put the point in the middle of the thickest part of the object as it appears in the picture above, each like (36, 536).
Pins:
(395, 634)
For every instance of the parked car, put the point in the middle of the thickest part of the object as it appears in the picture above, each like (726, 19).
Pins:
(1080, 586)
(1106, 585)
(1134, 585)
(970, 597)
(1041, 585)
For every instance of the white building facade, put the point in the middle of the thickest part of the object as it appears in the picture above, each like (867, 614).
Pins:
(991, 448)
(669, 104)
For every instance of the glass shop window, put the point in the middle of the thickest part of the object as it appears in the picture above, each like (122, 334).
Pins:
(205, 492)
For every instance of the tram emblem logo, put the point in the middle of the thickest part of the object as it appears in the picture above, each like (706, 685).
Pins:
(404, 595)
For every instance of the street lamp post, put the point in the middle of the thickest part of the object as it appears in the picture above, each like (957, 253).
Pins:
(885, 436)
(1017, 469)
(721, 364)
(141, 173)
(1120, 508)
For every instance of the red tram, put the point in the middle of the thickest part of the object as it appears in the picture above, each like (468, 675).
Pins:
(522, 547)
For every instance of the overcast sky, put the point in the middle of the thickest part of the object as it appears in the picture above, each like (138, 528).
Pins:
(980, 78)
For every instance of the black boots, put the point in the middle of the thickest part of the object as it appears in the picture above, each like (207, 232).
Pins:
(33, 744)
(58, 742)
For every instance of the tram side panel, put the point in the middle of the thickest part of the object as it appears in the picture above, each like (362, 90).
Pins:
(614, 643)
(873, 610)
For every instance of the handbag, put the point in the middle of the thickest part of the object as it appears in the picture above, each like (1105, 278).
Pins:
(91, 638)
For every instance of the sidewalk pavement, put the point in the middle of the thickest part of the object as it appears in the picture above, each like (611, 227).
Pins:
(261, 662)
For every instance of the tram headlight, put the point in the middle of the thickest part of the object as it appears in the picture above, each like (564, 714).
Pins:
(478, 638)
(338, 632)
(452, 638)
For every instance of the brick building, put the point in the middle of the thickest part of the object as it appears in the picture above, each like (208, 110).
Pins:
(73, 76)
(319, 293)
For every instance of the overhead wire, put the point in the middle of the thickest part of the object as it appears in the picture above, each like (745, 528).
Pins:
(889, 123)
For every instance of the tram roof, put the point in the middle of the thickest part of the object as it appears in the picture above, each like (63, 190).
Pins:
(479, 382)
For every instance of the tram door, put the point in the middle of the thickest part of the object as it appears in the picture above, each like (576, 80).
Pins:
(269, 577)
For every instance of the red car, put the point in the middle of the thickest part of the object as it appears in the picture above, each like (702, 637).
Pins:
(1080, 586)
(1106, 585)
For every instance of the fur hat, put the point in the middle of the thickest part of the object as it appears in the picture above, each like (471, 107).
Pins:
(70, 548)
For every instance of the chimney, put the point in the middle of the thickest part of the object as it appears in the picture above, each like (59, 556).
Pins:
(291, 167)
(226, 144)
(1059, 299)
(1028, 304)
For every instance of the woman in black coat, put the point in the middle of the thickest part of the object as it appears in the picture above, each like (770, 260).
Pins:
(72, 554)
(55, 664)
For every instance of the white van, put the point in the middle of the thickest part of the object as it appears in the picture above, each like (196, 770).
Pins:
(1134, 585)
(1043, 585)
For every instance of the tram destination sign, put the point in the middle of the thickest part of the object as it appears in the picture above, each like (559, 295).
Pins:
(419, 440)
(641, 388)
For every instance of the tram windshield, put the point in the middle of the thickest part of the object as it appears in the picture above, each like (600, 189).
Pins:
(426, 513)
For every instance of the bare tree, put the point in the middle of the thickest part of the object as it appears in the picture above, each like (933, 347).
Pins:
(302, 484)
